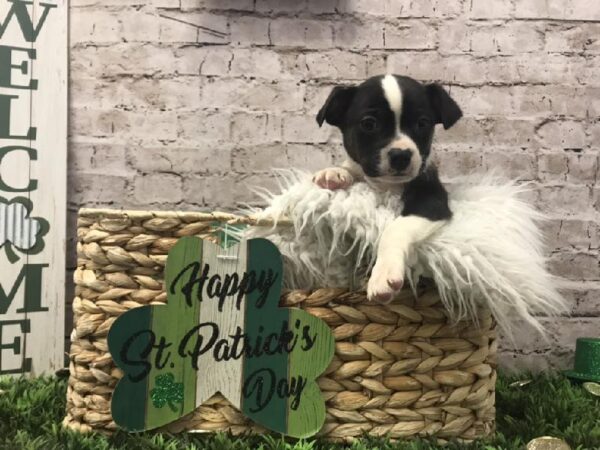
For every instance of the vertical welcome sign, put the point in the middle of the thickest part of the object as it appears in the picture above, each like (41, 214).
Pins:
(33, 133)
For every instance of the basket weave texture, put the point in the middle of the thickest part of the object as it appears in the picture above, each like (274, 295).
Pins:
(401, 369)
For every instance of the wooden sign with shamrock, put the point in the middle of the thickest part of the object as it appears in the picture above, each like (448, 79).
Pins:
(221, 331)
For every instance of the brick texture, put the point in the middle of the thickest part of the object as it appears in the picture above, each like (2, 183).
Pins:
(176, 102)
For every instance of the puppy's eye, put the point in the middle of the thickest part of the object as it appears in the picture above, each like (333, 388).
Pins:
(423, 123)
(369, 124)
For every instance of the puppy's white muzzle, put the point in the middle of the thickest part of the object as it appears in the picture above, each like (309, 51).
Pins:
(389, 158)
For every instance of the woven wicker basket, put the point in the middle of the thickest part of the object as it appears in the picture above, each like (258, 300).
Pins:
(400, 370)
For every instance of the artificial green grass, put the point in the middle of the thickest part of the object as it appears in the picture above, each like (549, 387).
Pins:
(31, 412)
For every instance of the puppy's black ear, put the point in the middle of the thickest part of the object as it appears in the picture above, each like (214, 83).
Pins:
(336, 105)
(445, 108)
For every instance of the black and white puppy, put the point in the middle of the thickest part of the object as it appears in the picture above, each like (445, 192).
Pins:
(387, 123)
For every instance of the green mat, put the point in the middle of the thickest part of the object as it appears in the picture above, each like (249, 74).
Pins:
(31, 412)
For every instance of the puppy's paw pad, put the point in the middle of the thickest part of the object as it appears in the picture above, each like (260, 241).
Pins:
(333, 178)
(378, 293)
(386, 279)
(378, 289)
(396, 283)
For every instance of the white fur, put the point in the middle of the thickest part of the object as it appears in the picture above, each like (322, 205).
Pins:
(405, 143)
(491, 253)
(393, 94)
(354, 168)
(395, 245)
(383, 167)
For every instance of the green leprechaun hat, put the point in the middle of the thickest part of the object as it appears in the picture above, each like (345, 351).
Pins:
(587, 360)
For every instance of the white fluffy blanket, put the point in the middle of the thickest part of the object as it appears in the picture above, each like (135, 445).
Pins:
(490, 254)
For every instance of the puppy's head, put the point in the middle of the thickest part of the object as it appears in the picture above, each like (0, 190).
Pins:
(388, 123)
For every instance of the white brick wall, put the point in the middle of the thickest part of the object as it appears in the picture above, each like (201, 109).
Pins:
(166, 113)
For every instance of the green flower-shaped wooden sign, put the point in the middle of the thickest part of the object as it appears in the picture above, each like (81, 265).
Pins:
(221, 331)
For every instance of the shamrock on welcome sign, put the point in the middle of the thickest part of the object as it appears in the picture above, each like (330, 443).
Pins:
(20, 231)
(222, 330)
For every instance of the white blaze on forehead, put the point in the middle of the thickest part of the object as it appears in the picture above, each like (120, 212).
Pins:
(393, 94)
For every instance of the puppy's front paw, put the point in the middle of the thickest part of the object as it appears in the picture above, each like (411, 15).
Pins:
(386, 279)
(333, 178)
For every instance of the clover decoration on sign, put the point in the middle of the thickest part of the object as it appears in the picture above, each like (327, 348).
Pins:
(222, 330)
(19, 231)
(166, 391)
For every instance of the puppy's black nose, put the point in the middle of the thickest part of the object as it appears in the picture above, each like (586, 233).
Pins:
(399, 158)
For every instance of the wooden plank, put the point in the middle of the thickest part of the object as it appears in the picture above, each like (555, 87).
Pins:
(264, 319)
(49, 112)
(14, 174)
(146, 343)
(133, 388)
(315, 349)
(220, 370)
(170, 323)
(33, 121)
